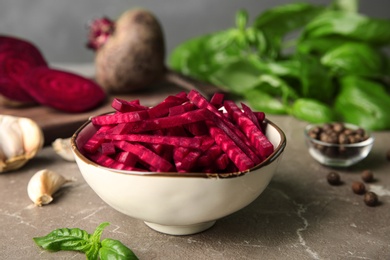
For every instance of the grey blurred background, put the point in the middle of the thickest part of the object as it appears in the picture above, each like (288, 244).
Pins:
(59, 28)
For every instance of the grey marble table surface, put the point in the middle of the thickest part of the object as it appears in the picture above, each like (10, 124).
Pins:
(298, 216)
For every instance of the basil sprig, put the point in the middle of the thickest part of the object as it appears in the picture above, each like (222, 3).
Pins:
(294, 58)
(75, 239)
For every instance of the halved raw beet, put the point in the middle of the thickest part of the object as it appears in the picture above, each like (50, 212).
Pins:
(11, 90)
(63, 90)
(16, 58)
(24, 48)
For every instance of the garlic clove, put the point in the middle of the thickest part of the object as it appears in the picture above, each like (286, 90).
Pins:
(33, 138)
(43, 184)
(63, 148)
(20, 140)
(11, 139)
(2, 160)
(13, 163)
(2, 156)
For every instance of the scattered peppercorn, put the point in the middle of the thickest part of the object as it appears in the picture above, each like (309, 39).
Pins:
(358, 187)
(370, 199)
(367, 176)
(333, 178)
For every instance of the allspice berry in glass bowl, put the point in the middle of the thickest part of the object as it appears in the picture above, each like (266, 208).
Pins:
(338, 144)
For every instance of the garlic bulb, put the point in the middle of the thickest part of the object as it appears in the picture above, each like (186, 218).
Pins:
(63, 148)
(20, 140)
(43, 184)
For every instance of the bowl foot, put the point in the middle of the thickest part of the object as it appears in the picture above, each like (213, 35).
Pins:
(181, 230)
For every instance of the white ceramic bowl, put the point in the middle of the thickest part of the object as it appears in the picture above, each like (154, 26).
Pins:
(177, 203)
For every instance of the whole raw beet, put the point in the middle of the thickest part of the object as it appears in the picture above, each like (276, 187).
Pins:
(132, 57)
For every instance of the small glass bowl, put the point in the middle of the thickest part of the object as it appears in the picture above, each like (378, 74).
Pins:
(338, 155)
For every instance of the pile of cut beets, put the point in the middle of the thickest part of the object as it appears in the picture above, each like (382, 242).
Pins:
(26, 78)
(183, 133)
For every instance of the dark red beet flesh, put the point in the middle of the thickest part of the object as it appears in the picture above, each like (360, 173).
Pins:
(62, 90)
(16, 58)
(183, 133)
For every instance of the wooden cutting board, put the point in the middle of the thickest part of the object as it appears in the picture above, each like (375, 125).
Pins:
(57, 124)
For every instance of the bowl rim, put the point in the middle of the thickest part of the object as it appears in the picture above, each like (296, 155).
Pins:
(368, 141)
(275, 154)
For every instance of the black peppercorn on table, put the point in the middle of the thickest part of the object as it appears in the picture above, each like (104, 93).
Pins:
(300, 215)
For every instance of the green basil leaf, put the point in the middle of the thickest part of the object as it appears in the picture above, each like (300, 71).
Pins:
(313, 79)
(95, 237)
(319, 46)
(261, 43)
(270, 94)
(75, 239)
(388, 66)
(189, 59)
(276, 87)
(113, 249)
(364, 103)
(275, 23)
(238, 76)
(201, 56)
(286, 18)
(350, 25)
(346, 5)
(355, 59)
(312, 111)
(262, 101)
(282, 68)
(65, 239)
(93, 251)
(316, 81)
(241, 19)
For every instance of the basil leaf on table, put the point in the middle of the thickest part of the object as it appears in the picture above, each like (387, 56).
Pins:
(114, 249)
(93, 251)
(355, 59)
(364, 103)
(75, 239)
